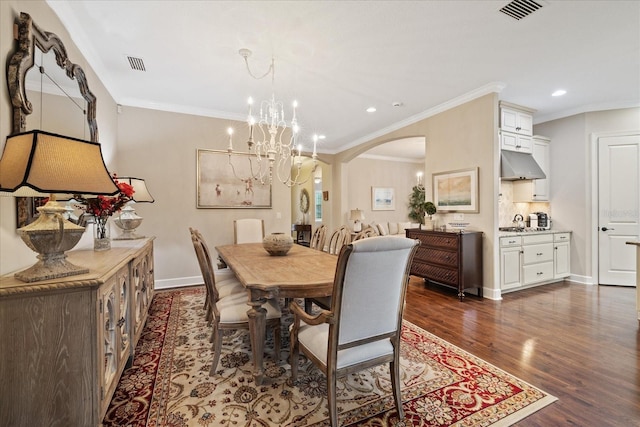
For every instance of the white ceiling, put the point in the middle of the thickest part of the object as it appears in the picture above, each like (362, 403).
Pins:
(336, 58)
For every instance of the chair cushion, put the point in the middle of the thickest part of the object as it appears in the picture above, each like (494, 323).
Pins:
(316, 339)
(229, 287)
(403, 226)
(233, 309)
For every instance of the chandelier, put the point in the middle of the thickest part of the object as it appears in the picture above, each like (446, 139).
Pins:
(276, 155)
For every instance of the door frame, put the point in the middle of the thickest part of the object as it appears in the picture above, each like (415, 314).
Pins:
(595, 206)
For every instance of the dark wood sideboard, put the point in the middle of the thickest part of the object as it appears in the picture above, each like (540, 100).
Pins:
(449, 258)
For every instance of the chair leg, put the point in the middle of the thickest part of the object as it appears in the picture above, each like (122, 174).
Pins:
(308, 306)
(394, 369)
(331, 399)
(216, 347)
(277, 341)
(294, 352)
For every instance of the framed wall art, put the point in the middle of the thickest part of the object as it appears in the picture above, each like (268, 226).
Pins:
(225, 181)
(456, 191)
(383, 199)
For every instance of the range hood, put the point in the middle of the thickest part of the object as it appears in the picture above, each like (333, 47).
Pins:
(516, 165)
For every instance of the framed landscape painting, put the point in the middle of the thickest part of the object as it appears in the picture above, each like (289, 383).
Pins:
(383, 199)
(456, 191)
(226, 181)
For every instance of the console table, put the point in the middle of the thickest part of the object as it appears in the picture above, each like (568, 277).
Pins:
(65, 342)
(449, 258)
(303, 234)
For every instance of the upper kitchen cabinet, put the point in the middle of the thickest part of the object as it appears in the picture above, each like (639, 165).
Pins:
(536, 190)
(516, 119)
(516, 128)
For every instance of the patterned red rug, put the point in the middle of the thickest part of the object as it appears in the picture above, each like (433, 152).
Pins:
(169, 385)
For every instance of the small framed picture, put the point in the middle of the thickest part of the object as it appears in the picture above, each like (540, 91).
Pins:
(383, 199)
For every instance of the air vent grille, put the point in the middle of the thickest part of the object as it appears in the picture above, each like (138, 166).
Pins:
(136, 63)
(519, 9)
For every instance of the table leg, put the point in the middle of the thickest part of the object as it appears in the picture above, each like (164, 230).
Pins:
(257, 330)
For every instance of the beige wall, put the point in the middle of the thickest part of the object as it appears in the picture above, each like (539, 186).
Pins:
(459, 138)
(14, 255)
(364, 173)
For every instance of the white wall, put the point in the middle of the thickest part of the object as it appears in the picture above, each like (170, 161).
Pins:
(573, 177)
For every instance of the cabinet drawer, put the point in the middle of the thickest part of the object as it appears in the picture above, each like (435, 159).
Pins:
(540, 272)
(537, 238)
(506, 242)
(438, 240)
(436, 273)
(437, 256)
(537, 253)
(561, 237)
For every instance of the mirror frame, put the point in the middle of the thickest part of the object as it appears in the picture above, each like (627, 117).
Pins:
(28, 35)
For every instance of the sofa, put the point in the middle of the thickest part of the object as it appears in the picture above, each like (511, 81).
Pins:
(393, 228)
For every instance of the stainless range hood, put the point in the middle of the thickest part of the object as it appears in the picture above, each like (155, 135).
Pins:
(516, 165)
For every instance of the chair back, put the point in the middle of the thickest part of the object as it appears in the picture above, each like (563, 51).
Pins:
(248, 230)
(318, 239)
(367, 232)
(369, 290)
(206, 267)
(339, 238)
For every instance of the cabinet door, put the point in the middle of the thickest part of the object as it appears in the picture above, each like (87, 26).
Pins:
(561, 260)
(108, 338)
(515, 142)
(142, 283)
(541, 155)
(516, 121)
(510, 268)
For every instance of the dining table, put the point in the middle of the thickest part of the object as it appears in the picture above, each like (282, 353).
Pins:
(301, 273)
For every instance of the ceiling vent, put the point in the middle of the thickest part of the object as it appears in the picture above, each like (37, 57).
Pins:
(136, 63)
(519, 9)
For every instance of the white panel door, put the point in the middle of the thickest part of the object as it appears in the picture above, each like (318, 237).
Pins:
(619, 207)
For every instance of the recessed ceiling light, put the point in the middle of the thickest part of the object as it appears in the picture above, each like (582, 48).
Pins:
(371, 110)
(559, 92)
(321, 137)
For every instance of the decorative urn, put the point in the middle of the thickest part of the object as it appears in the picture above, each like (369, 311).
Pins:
(277, 243)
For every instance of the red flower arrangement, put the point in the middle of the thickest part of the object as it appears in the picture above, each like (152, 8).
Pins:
(105, 206)
(102, 207)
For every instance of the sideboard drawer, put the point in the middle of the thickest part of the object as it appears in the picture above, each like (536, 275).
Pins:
(452, 259)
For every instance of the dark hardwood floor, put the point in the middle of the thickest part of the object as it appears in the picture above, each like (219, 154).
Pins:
(579, 343)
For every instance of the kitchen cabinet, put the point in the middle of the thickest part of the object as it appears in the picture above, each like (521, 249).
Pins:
(510, 262)
(561, 255)
(516, 128)
(516, 119)
(514, 142)
(453, 259)
(66, 341)
(536, 190)
(533, 259)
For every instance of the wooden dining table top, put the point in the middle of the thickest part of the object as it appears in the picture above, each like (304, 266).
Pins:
(302, 272)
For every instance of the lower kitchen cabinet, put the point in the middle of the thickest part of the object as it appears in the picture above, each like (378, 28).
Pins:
(533, 259)
(66, 341)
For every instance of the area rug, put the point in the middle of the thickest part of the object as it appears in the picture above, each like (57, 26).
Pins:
(168, 383)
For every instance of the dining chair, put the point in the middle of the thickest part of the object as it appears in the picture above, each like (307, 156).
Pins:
(367, 232)
(248, 230)
(339, 238)
(362, 328)
(319, 238)
(230, 312)
(226, 281)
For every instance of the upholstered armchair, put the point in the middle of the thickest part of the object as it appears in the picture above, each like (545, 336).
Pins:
(362, 327)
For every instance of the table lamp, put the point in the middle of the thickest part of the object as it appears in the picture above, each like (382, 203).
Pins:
(38, 163)
(356, 216)
(128, 221)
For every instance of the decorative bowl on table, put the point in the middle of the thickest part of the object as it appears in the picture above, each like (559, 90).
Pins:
(277, 244)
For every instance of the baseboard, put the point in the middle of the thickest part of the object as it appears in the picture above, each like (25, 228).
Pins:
(179, 282)
(492, 294)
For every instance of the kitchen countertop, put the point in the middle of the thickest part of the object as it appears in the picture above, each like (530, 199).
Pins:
(529, 233)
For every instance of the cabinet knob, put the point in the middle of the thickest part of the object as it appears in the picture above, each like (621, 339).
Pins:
(539, 253)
